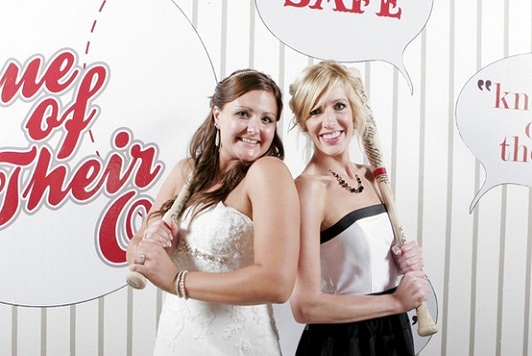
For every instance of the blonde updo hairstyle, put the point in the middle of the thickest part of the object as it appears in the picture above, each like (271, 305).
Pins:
(317, 80)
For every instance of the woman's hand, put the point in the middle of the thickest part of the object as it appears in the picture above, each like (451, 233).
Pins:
(412, 291)
(152, 260)
(166, 235)
(151, 256)
(408, 257)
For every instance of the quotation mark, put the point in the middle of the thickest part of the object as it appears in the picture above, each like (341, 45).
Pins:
(482, 84)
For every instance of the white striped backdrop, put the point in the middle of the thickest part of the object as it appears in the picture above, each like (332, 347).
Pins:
(479, 263)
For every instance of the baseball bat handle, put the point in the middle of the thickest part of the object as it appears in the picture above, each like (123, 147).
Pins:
(136, 279)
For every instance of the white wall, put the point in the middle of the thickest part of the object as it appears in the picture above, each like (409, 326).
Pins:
(479, 263)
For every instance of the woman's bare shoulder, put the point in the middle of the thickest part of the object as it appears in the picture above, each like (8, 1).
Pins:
(311, 185)
(269, 168)
(269, 183)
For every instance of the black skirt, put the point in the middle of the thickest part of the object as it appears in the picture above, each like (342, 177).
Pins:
(386, 336)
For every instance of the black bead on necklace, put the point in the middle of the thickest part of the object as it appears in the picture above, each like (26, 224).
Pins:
(344, 184)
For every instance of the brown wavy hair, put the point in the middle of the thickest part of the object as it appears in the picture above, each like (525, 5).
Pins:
(203, 152)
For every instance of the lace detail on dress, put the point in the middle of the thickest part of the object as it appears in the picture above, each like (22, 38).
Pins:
(219, 239)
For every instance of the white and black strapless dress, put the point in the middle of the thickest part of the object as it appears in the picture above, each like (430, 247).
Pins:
(356, 259)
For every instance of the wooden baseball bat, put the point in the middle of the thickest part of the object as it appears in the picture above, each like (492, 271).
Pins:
(372, 148)
(136, 279)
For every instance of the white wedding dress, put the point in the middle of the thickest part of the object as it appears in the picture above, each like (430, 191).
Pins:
(218, 240)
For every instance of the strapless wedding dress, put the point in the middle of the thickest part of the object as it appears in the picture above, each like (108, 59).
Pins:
(218, 240)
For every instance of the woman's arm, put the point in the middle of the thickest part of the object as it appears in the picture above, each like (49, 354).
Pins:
(309, 304)
(272, 195)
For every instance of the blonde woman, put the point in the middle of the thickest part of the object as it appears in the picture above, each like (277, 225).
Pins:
(349, 289)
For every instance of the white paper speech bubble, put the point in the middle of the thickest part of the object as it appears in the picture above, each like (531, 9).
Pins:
(347, 31)
(493, 116)
(60, 249)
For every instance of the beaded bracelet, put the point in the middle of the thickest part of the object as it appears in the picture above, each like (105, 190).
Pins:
(180, 289)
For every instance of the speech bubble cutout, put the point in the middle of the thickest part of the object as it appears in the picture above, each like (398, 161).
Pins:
(347, 31)
(71, 248)
(494, 120)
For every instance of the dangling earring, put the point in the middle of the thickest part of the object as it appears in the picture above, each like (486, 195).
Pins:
(217, 136)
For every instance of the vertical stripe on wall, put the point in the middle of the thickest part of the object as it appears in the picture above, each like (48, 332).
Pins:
(504, 202)
(422, 134)
(475, 232)
(14, 330)
(73, 330)
(223, 39)
(448, 216)
(526, 306)
(252, 11)
(44, 330)
(527, 313)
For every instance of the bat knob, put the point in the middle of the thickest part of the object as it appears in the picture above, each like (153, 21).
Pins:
(426, 325)
(427, 330)
(136, 280)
